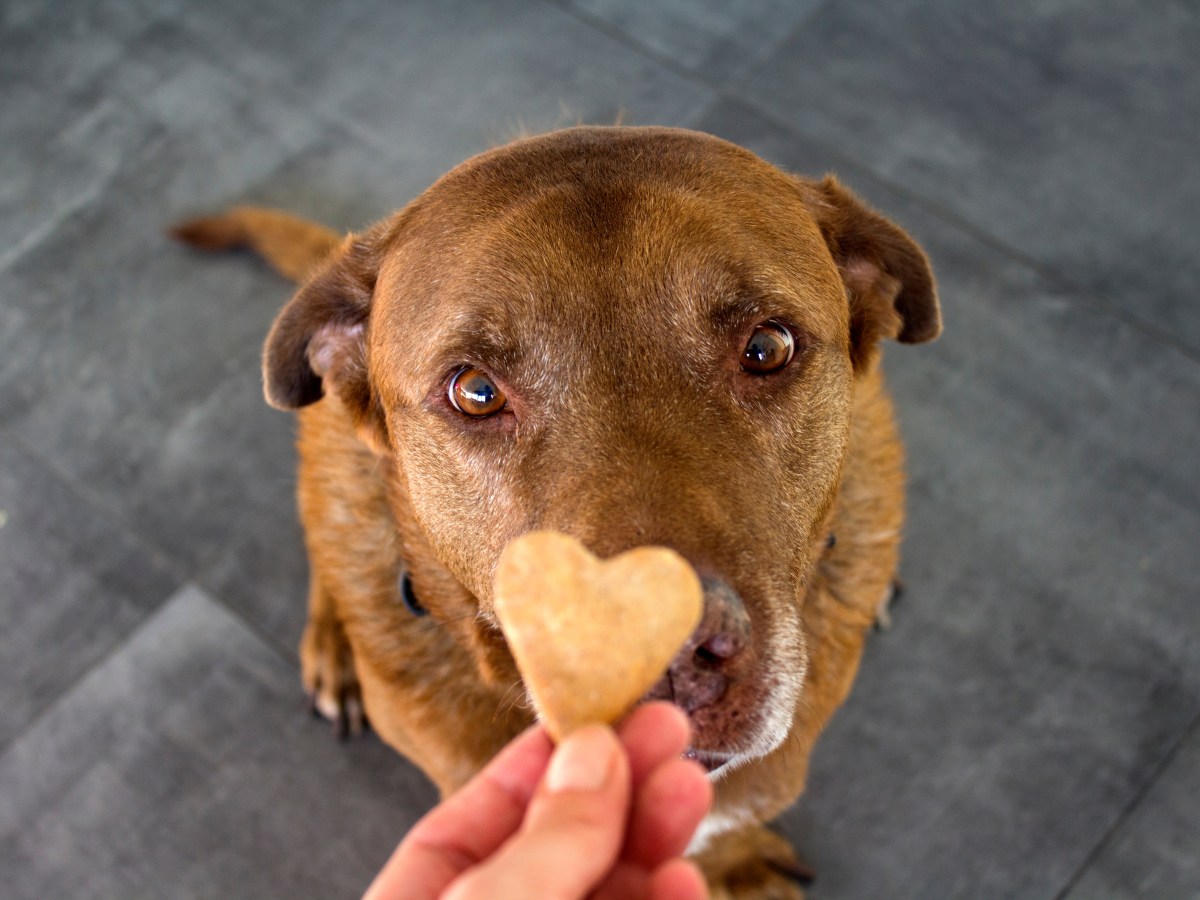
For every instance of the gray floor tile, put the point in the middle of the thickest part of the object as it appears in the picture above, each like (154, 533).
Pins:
(210, 481)
(718, 41)
(72, 586)
(1067, 130)
(104, 288)
(88, 101)
(261, 569)
(435, 83)
(84, 25)
(340, 180)
(1153, 854)
(152, 399)
(54, 161)
(185, 765)
(1040, 668)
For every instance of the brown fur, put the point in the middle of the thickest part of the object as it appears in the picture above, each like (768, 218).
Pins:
(607, 279)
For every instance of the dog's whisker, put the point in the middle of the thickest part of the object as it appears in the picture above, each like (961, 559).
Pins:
(515, 697)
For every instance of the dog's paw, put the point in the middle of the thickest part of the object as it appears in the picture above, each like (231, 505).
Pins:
(883, 611)
(753, 864)
(327, 668)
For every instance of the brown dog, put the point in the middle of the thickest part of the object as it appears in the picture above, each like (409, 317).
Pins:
(635, 336)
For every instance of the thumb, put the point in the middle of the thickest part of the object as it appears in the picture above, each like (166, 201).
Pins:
(572, 833)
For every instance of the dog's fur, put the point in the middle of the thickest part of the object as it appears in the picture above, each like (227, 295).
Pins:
(607, 279)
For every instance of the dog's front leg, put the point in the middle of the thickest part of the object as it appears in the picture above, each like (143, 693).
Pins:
(327, 665)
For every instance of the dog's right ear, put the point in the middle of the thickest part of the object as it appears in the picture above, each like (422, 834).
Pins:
(318, 342)
(888, 279)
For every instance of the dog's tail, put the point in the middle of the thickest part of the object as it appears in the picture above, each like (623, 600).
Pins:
(293, 246)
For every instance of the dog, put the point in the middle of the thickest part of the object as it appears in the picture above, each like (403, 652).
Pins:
(633, 336)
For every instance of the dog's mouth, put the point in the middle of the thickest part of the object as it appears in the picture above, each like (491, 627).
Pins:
(737, 682)
(739, 693)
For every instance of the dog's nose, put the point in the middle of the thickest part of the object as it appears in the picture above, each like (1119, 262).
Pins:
(701, 672)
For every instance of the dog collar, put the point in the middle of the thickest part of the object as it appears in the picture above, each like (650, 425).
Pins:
(409, 596)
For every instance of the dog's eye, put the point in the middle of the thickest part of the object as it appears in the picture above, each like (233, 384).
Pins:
(473, 393)
(769, 349)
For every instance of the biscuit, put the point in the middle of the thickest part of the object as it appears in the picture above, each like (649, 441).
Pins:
(591, 636)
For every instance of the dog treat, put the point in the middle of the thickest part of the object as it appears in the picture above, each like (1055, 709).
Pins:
(592, 636)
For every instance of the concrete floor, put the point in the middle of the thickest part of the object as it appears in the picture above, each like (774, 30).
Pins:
(1030, 727)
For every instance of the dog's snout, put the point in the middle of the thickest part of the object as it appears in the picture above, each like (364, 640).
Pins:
(702, 671)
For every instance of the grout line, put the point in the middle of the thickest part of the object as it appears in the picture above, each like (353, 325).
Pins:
(1192, 731)
(120, 645)
(31, 240)
(769, 50)
(172, 567)
(668, 62)
(46, 229)
(291, 100)
(629, 41)
(289, 654)
(103, 659)
(101, 506)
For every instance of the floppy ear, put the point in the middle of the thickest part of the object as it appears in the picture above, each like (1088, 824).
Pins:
(318, 342)
(889, 282)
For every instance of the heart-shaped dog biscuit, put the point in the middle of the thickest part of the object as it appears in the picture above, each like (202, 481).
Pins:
(591, 636)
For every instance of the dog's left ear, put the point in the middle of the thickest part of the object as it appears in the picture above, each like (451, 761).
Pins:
(889, 282)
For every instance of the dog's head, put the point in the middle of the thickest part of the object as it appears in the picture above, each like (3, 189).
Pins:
(634, 336)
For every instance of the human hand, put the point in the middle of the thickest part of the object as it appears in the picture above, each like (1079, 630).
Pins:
(606, 815)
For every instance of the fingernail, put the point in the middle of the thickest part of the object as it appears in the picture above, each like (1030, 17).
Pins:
(583, 761)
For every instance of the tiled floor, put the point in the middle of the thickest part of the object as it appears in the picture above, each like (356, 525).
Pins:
(1029, 728)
